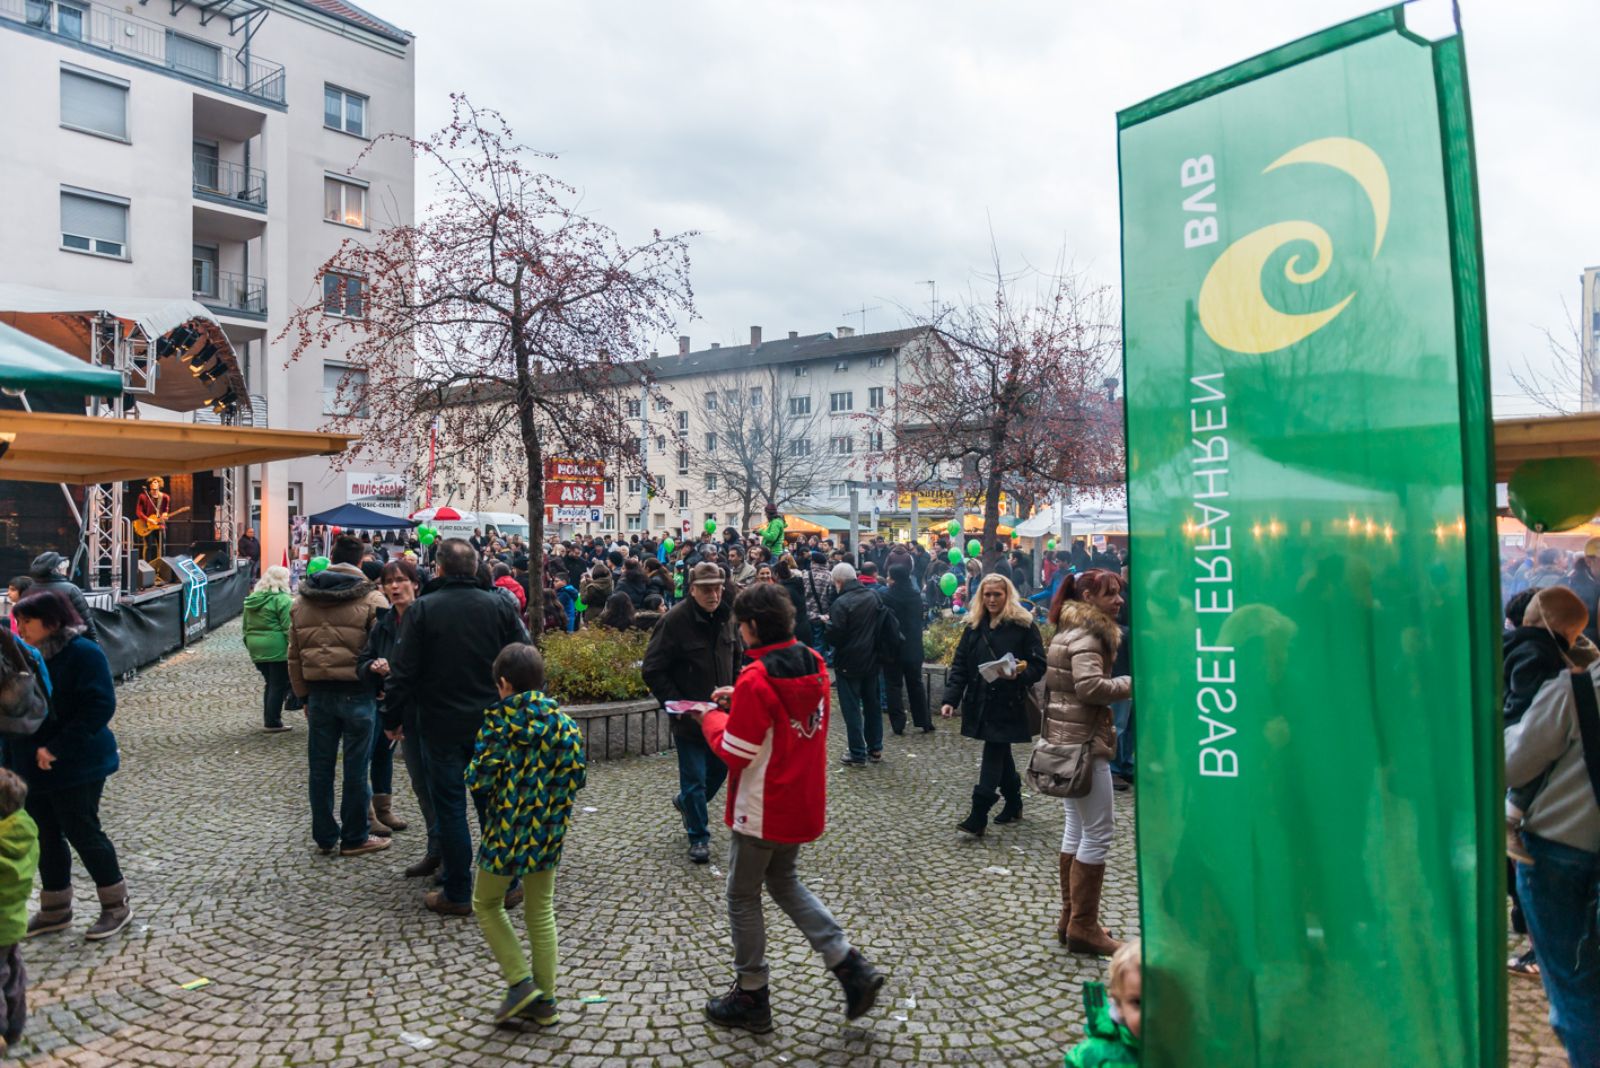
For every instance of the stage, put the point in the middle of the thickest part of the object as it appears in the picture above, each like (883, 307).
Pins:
(138, 630)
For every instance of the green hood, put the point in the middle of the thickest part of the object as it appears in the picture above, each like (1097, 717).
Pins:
(523, 720)
(19, 861)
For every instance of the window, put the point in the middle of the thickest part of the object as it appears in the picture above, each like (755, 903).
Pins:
(611, 487)
(711, 483)
(875, 399)
(63, 19)
(344, 202)
(344, 390)
(634, 409)
(711, 443)
(801, 370)
(755, 396)
(198, 59)
(93, 103)
(609, 522)
(841, 402)
(660, 520)
(730, 520)
(205, 271)
(874, 361)
(839, 489)
(661, 444)
(841, 365)
(874, 441)
(636, 522)
(841, 446)
(683, 422)
(730, 398)
(94, 222)
(711, 402)
(683, 461)
(661, 404)
(799, 406)
(683, 499)
(635, 485)
(344, 295)
(800, 447)
(712, 516)
(344, 110)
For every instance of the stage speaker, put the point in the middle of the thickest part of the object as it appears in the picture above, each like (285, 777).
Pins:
(167, 567)
(142, 574)
(211, 555)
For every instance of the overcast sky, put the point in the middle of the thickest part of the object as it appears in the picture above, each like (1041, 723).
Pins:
(837, 154)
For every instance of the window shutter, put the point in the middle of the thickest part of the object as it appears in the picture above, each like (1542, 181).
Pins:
(91, 104)
(99, 219)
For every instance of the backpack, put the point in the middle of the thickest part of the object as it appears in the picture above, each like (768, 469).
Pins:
(24, 705)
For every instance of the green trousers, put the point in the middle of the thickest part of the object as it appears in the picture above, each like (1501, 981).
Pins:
(538, 910)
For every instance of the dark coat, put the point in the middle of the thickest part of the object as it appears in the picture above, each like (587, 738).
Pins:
(441, 672)
(905, 602)
(635, 586)
(993, 711)
(797, 594)
(78, 731)
(690, 654)
(1533, 656)
(1583, 583)
(57, 584)
(853, 630)
(382, 641)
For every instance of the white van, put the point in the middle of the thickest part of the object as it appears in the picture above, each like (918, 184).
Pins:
(507, 523)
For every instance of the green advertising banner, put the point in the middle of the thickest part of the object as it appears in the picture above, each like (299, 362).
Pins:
(1315, 609)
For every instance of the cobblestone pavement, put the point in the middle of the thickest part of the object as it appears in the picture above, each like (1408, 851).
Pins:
(335, 962)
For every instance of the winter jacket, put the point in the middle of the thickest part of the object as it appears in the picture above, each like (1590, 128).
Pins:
(1583, 582)
(1079, 686)
(993, 711)
(774, 739)
(905, 602)
(19, 861)
(328, 625)
(1108, 1042)
(742, 576)
(527, 766)
(772, 534)
(1547, 742)
(690, 654)
(440, 676)
(381, 643)
(795, 586)
(853, 630)
(634, 585)
(514, 588)
(1532, 656)
(818, 584)
(596, 592)
(266, 626)
(78, 730)
(55, 583)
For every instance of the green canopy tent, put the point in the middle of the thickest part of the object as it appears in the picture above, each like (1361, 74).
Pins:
(28, 363)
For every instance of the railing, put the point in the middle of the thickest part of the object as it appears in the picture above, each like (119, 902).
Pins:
(233, 182)
(149, 42)
(226, 289)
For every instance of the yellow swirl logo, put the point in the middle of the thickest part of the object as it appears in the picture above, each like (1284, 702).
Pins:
(1233, 309)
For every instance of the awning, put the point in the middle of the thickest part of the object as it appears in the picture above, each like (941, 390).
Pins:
(793, 524)
(28, 363)
(41, 447)
(358, 518)
(1516, 440)
(973, 524)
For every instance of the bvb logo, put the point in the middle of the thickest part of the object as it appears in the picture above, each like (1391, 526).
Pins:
(1234, 311)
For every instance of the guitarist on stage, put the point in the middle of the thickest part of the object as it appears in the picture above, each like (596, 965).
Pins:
(152, 509)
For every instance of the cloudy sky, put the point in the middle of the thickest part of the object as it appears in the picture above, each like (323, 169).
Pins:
(840, 153)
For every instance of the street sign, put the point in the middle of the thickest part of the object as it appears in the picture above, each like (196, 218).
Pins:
(575, 514)
(569, 469)
(569, 493)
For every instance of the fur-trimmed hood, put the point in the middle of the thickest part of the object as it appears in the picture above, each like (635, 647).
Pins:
(337, 585)
(1079, 615)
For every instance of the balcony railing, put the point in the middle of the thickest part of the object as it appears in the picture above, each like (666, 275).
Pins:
(233, 182)
(143, 41)
(227, 291)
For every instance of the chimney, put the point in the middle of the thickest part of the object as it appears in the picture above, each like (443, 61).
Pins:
(755, 336)
(716, 344)
(845, 331)
(793, 334)
(683, 344)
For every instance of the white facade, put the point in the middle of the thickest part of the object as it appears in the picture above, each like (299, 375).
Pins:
(197, 169)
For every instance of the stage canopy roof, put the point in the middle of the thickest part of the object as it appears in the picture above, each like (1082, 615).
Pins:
(358, 518)
(28, 363)
(1516, 440)
(82, 450)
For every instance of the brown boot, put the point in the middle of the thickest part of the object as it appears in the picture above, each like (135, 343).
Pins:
(376, 827)
(55, 912)
(114, 911)
(1084, 933)
(1066, 898)
(383, 806)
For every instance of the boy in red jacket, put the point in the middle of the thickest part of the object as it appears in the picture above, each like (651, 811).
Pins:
(774, 741)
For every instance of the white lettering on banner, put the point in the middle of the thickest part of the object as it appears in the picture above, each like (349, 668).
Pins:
(1203, 230)
(1215, 669)
(377, 492)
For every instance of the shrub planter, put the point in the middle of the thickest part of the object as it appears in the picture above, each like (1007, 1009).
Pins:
(617, 729)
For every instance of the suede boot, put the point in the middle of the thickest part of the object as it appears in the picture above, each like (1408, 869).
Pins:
(55, 912)
(978, 818)
(376, 827)
(1011, 811)
(114, 911)
(383, 807)
(1066, 898)
(1084, 933)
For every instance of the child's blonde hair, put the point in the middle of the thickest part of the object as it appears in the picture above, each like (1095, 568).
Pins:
(1123, 961)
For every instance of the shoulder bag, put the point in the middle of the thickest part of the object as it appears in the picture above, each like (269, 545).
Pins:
(23, 705)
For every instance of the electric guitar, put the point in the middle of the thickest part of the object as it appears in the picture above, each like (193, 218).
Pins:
(146, 527)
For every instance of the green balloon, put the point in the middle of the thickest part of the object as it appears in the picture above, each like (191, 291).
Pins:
(580, 606)
(974, 548)
(1555, 495)
(954, 555)
(711, 526)
(948, 583)
(1051, 545)
(426, 535)
(954, 527)
(669, 545)
(318, 563)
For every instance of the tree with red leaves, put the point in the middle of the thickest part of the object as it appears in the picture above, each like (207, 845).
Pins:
(505, 316)
(1016, 396)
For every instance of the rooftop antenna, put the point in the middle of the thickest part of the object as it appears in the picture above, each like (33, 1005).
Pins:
(862, 311)
(933, 298)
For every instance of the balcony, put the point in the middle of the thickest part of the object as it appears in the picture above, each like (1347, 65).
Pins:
(229, 183)
(141, 41)
(229, 293)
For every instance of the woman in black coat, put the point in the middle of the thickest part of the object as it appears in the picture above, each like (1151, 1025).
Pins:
(784, 575)
(905, 670)
(993, 712)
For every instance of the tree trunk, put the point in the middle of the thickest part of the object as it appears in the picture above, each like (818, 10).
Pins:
(535, 460)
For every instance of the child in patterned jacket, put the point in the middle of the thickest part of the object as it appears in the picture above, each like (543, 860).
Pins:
(527, 767)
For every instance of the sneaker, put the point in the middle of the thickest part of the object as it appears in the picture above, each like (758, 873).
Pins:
(328, 851)
(279, 729)
(748, 1009)
(852, 762)
(861, 982)
(517, 999)
(426, 866)
(435, 901)
(700, 852)
(875, 756)
(371, 845)
(542, 1011)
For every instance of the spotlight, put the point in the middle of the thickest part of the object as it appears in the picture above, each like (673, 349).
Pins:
(199, 359)
(227, 403)
(176, 341)
(214, 372)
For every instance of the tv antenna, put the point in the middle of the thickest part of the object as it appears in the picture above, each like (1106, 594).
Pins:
(862, 311)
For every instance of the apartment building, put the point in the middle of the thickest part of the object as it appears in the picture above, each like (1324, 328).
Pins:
(207, 150)
(820, 406)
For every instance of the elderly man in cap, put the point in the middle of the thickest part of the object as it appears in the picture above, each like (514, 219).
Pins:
(48, 572)
(693, 651)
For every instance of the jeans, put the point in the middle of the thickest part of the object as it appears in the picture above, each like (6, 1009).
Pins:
(538, 912)
(381, 766)
(907, 673)
(13, 993)
(445, 764)
(1561, 898)
(753, 862)
(819, 641)
(1122, 763)
(416, 771)
(998, 771)
(1090, 819)
(700, 774)
(863, 720)
(335, 720)
(276, 674)
(72, 816)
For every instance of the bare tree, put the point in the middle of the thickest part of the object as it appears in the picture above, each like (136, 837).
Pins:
(1573, 380)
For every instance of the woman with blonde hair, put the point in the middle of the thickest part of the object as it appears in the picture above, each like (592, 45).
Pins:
(1080, 690)
(266, 636)
(992, 710)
